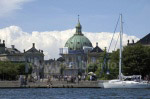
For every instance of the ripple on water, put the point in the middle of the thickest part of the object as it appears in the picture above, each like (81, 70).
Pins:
(73, 93)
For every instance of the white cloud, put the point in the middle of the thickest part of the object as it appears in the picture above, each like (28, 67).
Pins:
(51, 41)
(8, 6)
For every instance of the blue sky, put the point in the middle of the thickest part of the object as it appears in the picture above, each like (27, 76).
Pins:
(50, 23)
(95, 15)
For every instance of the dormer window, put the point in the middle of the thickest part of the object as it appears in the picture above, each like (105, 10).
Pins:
(12, 52)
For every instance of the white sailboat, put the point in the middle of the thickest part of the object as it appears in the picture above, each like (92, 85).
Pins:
(125, 81)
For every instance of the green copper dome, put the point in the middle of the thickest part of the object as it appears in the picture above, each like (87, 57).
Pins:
(78, 40)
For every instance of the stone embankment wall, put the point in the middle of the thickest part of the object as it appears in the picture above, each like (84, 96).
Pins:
(80, 84)
(52, 84)
(9, 84)
(65, 84)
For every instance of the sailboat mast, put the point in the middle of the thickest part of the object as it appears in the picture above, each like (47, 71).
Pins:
(120, 58)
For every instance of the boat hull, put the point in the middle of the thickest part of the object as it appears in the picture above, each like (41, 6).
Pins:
(126, 85)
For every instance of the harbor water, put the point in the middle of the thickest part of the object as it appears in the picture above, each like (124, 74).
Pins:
(73, 93)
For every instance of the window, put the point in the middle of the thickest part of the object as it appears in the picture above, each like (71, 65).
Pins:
(93, 59)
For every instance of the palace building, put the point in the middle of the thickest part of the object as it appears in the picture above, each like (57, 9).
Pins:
(95, 55)
(31, 56)
(75, 52)
(36, 58)
(10, 54)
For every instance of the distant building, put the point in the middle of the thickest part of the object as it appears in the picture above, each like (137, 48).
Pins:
(36, 58)
(144, 41)
(75, 52)
(31, 56)
(10, 54)
(95, 55)
(2, 47)
(52, 67)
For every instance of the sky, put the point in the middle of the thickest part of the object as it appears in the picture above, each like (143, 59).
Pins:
(36, 20)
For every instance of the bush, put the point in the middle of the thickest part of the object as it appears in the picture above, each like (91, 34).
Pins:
(11, 71)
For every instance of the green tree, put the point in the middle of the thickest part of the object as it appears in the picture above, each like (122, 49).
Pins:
(62, 68)
(92, 67)
(136, 60)
(11, 71)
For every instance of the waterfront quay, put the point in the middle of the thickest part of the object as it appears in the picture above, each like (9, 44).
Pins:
(52, 84)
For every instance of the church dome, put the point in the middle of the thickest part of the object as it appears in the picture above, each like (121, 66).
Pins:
(78, 40)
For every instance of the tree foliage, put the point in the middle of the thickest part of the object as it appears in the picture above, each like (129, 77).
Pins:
(11, 71)
(136, 60)
(92, 67)
(105, 69)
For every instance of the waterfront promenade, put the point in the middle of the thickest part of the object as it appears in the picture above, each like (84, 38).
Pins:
(52, 84)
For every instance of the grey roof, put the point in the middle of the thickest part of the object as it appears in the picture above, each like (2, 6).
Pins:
(60, 59)
(12, 51)
(97, 49)
(145, 40)
(33, 49)
(2, 45)
(49, 61)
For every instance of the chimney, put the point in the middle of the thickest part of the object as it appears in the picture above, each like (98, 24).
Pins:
(105, 48)
(13, 46)
(133, 41)
(128, 42)
(42, 51)
(96, 43)
(33, 44)
(24, 50)
(3, 41)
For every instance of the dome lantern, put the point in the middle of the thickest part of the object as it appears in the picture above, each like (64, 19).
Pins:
(78, 40)
(78, 28)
